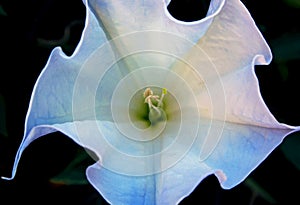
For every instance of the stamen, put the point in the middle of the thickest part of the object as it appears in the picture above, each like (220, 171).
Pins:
(163, 93)
(156, 113)
(148, 92)
(148, 95)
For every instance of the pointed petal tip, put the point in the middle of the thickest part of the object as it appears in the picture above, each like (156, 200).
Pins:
(7, 178)
(221, 176)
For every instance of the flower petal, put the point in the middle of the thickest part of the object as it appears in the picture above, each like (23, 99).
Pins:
(241, 149)
(233, 45)
(57, 83)
(118, 18)
(168, 187)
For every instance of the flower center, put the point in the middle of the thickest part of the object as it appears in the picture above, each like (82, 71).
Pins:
(151, 107)
(155, 104)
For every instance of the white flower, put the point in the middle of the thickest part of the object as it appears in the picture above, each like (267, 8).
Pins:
(162, 103)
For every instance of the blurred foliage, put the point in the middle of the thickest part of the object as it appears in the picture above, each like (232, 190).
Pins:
(74, 173)
(258, 191)
(285, 48)
(64, 41)
(2, 11)
(293, 3)
(291, 149)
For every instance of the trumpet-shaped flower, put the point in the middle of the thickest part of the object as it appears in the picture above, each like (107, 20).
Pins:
(162, 103)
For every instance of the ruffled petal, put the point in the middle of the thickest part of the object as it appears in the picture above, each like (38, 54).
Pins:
(168, 187)
(119, 19)
(241, 149)
(51, 100)
(224, 59)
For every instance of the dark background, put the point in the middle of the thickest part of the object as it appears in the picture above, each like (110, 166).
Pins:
(30, 29)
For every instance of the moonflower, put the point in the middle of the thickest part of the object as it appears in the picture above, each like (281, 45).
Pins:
(162, 103)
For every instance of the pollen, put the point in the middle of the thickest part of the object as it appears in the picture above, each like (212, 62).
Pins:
(164, 91)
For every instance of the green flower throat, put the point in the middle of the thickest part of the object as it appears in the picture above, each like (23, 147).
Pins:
(147, 109)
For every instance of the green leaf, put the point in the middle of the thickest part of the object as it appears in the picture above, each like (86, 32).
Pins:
(291, 149)
(259, 191)
(3, 129)
(74, 173)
